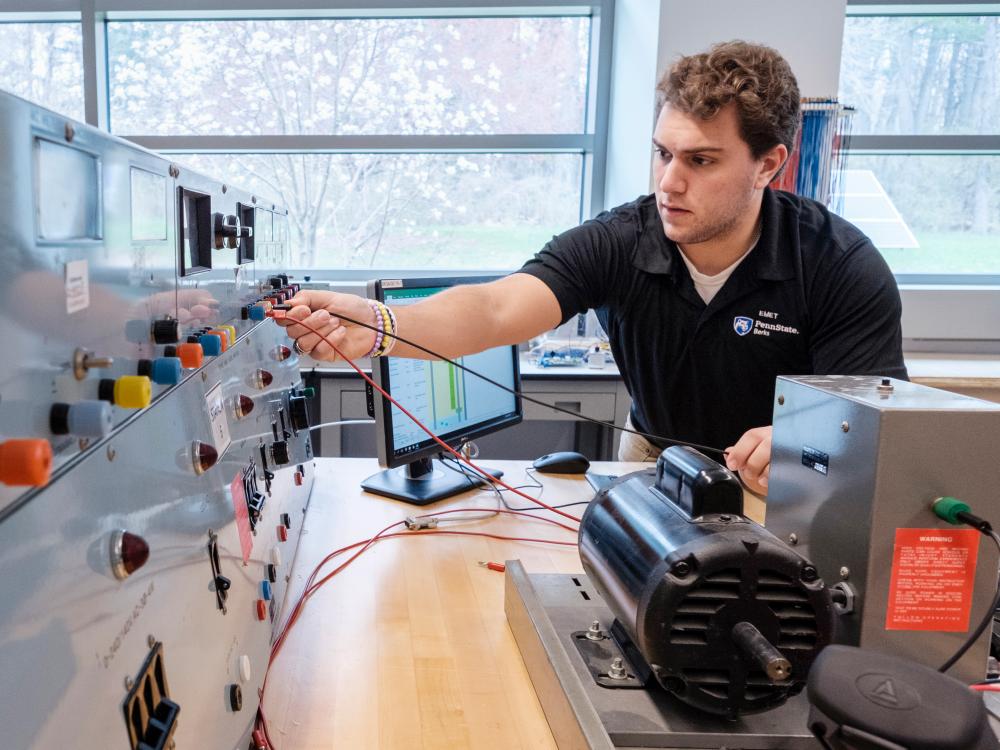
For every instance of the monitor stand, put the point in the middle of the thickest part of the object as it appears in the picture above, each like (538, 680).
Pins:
(424, 481)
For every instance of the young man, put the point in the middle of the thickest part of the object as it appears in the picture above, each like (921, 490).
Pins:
(708, 289)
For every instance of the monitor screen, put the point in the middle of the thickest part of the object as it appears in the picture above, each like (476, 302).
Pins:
(454, 404)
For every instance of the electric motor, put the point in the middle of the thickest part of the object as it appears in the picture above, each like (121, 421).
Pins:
(726, 616)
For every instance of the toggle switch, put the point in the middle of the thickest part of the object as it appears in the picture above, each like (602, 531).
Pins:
(83, 419)
(298, 413)
(203, 456)
(129, 552)
(25, 462)
(84, 361)
(166, 331)
(128, 391)
(162, 370)
(279, 452)
(211, 343)
(191, 355)
(242, 406)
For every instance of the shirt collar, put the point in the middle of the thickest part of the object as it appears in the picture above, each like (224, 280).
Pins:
(771, 260)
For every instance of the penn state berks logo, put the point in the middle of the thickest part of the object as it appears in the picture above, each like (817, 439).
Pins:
(742, 325)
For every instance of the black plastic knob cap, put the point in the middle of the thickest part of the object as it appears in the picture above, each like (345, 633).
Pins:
(286, 520)
(235, 697)
(166, 331)
(272, 572)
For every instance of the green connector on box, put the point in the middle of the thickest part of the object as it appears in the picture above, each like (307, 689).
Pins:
(948, 508)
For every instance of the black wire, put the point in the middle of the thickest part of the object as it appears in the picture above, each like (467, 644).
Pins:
(982, 625)
(469, 474)
(519, 394)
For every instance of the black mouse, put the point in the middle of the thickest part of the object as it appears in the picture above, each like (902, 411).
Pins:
(562, 462)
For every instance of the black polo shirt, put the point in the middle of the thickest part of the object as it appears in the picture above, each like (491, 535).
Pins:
(813, 297)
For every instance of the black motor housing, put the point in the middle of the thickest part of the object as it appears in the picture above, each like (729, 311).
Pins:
(680, 566)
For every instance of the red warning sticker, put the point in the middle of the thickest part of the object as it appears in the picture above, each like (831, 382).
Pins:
(933, 571)
(242, 516)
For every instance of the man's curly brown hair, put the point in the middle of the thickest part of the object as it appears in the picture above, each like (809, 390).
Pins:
(757, 78)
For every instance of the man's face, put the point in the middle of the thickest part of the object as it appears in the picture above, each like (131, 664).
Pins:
(706, 178)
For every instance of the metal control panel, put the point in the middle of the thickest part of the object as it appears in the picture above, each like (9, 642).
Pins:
(155, 460)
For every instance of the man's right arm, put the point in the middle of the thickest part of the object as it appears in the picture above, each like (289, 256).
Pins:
(461, 320)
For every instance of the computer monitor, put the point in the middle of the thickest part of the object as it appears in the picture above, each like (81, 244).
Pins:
(454, 404)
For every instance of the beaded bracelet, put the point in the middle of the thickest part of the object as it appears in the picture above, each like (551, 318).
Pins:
(395, 329)
(379, 324)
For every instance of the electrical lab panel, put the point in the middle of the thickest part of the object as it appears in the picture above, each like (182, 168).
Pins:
(155, 459)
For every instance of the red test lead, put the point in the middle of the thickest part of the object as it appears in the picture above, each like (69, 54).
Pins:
(498, 567)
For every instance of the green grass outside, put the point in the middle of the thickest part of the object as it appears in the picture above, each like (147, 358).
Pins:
(948, 253)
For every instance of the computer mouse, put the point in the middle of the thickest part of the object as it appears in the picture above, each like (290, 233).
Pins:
(562, 462)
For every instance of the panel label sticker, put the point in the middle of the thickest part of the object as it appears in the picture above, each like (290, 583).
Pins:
(77, 286)
(816, 460)
(217, 415)
(242, 515)
(933, 572)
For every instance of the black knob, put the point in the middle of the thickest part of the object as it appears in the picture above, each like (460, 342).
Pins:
(166, 331)
(145, 367)
(235, 697)
(286, 520)
(106, 390)
(170, 351)
(275, 282)
(272, 573)
(222, 583)
(279, 452)
(298, 413)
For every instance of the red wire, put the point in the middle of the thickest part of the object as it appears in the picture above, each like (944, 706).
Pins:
(366, 544)
(420, 424)
(986, 688)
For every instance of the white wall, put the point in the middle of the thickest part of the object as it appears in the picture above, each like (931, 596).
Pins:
(651, 34)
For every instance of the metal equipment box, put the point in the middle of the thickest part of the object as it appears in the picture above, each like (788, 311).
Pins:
(856, 463)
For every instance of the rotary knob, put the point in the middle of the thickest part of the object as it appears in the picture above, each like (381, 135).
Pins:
(227, 231)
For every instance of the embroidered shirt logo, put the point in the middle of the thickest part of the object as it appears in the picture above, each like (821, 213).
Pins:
(742, 325)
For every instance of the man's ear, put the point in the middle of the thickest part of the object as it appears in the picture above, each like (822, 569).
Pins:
(769, 164)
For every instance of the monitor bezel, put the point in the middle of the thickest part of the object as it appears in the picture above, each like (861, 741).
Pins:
(380, 374)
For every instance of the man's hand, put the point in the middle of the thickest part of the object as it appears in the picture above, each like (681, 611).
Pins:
(320, 310)
(751, 457)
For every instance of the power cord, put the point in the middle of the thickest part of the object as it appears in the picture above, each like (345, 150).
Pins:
(956, 512)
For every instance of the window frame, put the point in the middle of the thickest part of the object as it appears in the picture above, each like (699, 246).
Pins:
(590, 144)
(939, 309)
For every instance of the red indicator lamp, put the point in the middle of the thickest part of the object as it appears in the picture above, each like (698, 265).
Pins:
(203, 456)
(129, 552)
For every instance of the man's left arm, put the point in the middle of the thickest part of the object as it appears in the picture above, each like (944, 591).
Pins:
(854, 329)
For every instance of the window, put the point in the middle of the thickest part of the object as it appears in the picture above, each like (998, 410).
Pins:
(43, 62)
(456, 142)
(927, 131)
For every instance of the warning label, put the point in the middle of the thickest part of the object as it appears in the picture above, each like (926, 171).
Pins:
(933, 571)
(242, 516)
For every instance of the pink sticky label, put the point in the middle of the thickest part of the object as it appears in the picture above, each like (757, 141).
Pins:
(242, 516)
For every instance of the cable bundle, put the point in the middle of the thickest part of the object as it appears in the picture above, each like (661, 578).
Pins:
(819, 156)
